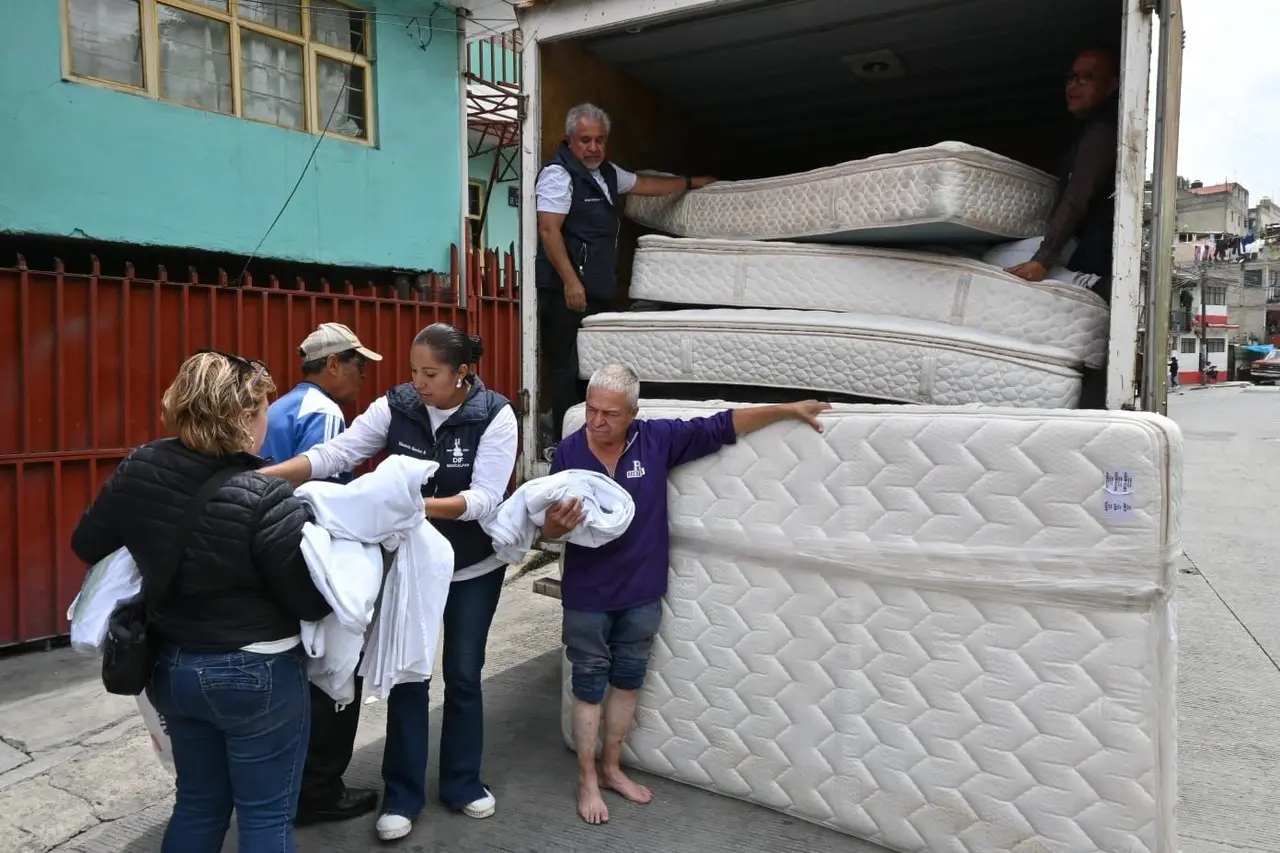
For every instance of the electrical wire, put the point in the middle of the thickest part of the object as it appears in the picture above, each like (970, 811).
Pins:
(306, 167)
(374, 15)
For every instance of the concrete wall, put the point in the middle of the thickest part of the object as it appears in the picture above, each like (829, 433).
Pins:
(82, 160)
(1217, 213)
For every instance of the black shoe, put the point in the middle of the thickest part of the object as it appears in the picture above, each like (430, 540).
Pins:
(353, 803)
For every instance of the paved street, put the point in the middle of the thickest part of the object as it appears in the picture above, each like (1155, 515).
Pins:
(76, 773)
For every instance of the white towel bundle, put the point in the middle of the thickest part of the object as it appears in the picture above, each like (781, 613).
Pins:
(384, 508)
(349, 576)
(607, 512)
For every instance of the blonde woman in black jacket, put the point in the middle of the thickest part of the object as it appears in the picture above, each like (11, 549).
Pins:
(230, 679)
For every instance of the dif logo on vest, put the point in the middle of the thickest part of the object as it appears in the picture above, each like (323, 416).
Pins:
(457, 455)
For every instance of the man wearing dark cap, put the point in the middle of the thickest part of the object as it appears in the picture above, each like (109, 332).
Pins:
(333, 363)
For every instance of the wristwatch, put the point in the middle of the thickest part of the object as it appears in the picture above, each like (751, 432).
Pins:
(688, 183)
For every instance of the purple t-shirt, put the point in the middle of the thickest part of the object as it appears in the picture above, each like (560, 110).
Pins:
(632, 569)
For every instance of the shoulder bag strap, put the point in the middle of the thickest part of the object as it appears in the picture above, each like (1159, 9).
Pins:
(157, 592)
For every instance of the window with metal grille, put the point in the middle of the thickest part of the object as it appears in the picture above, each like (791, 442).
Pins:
(475, 212)
(1212, 345)
(302, 64)
(1187, 346)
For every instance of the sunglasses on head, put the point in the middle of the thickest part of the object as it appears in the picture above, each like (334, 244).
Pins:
(246, 366)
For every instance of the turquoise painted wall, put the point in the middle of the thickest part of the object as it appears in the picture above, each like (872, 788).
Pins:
(502, 226)
(84, 161)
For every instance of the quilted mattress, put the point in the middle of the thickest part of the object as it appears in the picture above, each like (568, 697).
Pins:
(962, 292)
(886, 358)
(941, 630)
(946, 193)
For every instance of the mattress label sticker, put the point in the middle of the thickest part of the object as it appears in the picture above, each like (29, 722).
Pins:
(1119, 481)
(1117, 507)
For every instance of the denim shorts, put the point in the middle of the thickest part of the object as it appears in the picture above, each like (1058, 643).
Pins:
(609, 648)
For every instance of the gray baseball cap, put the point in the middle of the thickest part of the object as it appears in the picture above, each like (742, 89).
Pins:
(333, 339)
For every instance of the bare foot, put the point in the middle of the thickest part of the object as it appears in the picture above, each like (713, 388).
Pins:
(616, 780)
(591, 807)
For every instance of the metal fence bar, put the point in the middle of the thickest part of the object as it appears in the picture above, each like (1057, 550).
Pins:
(88, 356)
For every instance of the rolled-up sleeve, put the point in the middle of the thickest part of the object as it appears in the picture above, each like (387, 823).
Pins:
(697, 437)
(494, 464)
(366, 436)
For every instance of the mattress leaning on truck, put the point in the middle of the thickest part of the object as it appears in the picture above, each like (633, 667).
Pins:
(949, 192)
(860, 280)
(887, 358)
(943, 631)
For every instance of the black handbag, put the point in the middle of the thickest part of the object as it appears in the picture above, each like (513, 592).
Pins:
(129, 648)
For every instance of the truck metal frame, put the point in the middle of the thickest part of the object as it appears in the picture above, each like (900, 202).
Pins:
(1133, 307)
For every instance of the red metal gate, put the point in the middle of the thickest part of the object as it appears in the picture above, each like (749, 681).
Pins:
(86, 358)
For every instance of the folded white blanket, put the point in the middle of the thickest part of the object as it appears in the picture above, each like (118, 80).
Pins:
(607, 512)
(385, 508)
(349, 576)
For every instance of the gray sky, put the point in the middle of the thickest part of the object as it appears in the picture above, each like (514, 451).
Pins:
(1231, 94)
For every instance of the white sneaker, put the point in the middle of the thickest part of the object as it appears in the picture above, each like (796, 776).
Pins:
(482, 808)
(393, 826)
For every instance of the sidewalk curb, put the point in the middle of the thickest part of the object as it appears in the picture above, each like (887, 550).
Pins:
(1216, 385)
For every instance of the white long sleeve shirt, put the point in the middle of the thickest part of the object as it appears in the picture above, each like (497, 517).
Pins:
(494, 462)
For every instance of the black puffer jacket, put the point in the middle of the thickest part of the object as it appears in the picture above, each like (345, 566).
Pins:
(242, 578)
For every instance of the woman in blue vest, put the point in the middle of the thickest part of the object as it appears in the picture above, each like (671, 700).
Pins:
(444, 413)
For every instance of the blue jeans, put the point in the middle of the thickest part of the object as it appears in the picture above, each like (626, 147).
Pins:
(609, 648)
(239, 724)
(468, 613)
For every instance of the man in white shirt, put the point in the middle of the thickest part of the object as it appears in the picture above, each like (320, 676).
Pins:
(579, 198)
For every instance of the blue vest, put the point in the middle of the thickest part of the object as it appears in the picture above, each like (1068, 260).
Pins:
(454, 447)
(590, 230)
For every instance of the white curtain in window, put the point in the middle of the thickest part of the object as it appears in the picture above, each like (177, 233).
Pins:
(272, 79)
(106, 40)
(331, 24)
(195, 60)
(335, 80)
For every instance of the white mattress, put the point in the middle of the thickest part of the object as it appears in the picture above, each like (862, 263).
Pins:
(887, 358)
(942, 630)
(958, 291)
(947, 192)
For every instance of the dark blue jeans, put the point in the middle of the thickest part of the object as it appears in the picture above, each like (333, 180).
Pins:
(239, 724)
(468, 613)
(609, 648)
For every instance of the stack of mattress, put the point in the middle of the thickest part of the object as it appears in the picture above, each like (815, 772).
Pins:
(942, 630)
(836, 315)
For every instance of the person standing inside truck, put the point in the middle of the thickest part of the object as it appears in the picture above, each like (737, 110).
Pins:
(612, 595)
(333, 363)
(1083, 218)
(579, 200)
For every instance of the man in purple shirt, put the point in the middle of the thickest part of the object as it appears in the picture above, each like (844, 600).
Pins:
(612, 595)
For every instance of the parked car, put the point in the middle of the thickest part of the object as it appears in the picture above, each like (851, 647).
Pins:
(1265, 369)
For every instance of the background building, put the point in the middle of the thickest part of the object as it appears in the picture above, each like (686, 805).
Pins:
(189, 123)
